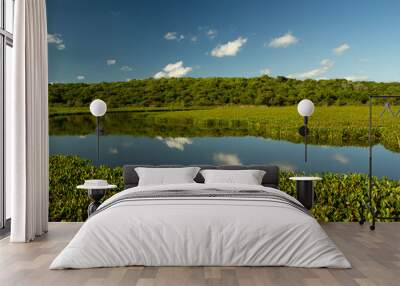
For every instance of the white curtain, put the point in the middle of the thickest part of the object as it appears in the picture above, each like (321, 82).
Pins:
(27, 124)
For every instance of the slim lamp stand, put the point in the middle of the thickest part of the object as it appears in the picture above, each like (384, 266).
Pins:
(98, 108)
(305, 108)
(98, 139)
(368, 205)
(305, 138)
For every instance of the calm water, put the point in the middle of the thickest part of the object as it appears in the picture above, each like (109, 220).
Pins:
(143, 147)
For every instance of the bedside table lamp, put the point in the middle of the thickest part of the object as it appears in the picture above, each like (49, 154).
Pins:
(305, 109)
(98, 108)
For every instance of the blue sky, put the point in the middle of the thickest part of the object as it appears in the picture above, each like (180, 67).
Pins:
(99, 40)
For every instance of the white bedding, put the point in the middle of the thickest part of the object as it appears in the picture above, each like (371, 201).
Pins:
(200, 231)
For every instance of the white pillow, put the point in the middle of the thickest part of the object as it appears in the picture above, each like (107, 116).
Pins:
(248, 177)
(165, 176)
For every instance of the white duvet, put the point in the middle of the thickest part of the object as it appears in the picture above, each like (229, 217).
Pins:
(200, 231)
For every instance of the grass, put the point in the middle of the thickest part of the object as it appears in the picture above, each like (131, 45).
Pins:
(323, 117)
(336, 125)
(58, 110)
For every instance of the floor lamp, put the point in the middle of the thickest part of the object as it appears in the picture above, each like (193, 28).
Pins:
(305, 109)
(98, 108)
(368, 204)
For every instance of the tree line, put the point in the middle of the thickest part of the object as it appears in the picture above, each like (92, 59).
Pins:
(264, 90)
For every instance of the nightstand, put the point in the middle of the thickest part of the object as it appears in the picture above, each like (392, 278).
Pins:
(96, 193)
(305, 190)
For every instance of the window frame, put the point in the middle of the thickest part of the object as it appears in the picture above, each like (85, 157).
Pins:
(6, 39)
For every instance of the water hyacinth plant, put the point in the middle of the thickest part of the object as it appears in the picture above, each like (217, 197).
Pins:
(338, 196)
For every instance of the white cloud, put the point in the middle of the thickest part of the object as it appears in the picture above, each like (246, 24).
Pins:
(265, 71)
(341, 49)
(175, 143)
(61, 47)
(356, 78)
(211, 33)
(340, 158)
(326, 65)
(173, 70)
(54, 39)
(57, 40)
(111, 62)
(229, 49)
(80, 77)
(226, 159)
(283, 41)
(194, 39)
(170, 36)
(326, 62)
(173, 36)
(126, 68)
(208, 31)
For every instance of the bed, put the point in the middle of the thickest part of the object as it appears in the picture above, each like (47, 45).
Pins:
(198, 224)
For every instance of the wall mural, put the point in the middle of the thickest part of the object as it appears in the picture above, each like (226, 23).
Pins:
(218, 82)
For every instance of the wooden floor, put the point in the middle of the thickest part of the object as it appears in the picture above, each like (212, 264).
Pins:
(375, 257)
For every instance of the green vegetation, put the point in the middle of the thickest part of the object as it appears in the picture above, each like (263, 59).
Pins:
(338, 195)
(334, 125)
(265, 90)
(62, 110)
(189, 107)
(66, 203)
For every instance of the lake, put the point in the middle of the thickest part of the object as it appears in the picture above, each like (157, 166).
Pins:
(137, 139)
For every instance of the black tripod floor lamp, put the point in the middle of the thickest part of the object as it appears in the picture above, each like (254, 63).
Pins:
(368, 204)
(98, 108)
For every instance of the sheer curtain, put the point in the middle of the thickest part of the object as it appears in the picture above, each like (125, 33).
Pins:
(27, 124)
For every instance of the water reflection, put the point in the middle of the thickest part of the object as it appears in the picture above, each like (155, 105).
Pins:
(151, 141)
(175, 143)
(226, 159)
(117, 150)
(340, 158)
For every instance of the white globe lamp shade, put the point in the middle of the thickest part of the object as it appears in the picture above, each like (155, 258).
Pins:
(305, 107)
(98, 107)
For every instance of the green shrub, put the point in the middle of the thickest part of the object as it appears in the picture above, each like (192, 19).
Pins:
(66, 203)
(338, 195)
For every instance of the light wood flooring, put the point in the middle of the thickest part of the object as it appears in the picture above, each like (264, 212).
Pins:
(375, 257)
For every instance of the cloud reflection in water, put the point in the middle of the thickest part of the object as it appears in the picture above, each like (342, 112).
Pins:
(175, 143)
